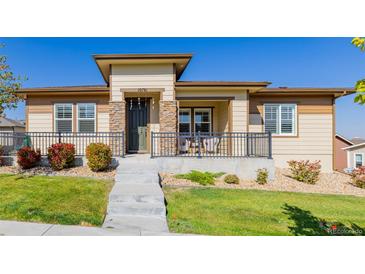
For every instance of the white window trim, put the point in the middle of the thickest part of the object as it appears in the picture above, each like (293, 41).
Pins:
(210, 117)
(189, 110)
(295, 119)
(362, 157)
(64, 119)
(78, 118)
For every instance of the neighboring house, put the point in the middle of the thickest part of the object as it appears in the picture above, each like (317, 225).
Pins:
(143, 95)
(357, 140)
(7, 129)
(355, 156)
(340, 154)
(10, 125)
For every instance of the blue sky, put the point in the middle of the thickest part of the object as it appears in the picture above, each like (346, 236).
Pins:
(293, 62)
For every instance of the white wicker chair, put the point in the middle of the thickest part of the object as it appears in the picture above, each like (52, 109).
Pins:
(211, 144)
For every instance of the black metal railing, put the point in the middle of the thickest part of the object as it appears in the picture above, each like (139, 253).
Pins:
(214, 144)
(12, 141)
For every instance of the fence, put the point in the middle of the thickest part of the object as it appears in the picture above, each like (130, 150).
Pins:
(215, 144)
(12, 141)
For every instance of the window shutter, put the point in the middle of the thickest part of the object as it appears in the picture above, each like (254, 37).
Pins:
(287, 119)
(63, 117)
(86, 117)
(272, 118)
(64, 125)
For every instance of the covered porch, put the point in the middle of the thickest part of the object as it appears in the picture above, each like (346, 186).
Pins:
(204, 129)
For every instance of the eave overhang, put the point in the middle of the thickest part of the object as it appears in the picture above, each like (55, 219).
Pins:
(336, 92)
(105, 61)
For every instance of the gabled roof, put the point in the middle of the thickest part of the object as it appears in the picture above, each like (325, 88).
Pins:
(6, 122)
(104, 61)
(344, 139)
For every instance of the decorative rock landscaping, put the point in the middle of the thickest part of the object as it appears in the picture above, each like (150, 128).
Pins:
(79, 171)
(328, 183)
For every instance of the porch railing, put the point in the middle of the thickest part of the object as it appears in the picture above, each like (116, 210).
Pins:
(12, 141)
(215, 144)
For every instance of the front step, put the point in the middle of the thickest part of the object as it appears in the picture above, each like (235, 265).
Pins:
(137, 189)
(136, 200)
(137, 209)
(128, 178)
(151, 224)
(120, 198)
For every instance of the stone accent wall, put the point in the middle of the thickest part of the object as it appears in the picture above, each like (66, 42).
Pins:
(117, 116)
(117, 121)
(168, 123)
(168, 116)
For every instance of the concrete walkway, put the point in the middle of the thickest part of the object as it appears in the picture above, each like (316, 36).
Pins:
(13, 228)
(136, 201)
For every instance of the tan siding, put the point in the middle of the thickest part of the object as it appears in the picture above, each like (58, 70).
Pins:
(40, 110)
(223, 122)
(143, 76)
(103, 122)
(40, 122)
(239, 115)
(306, 104)
(314, 140)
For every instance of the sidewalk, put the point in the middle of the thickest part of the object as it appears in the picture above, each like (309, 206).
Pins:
(13, 228)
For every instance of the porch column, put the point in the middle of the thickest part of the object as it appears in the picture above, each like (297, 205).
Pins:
(168, 123)
(117, 119)
(239, 120)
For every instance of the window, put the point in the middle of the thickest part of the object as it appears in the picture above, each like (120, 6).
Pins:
(202, 120)
(185, 120)
(359, 159)
(63, 117)
(280, 119)
(86, 117)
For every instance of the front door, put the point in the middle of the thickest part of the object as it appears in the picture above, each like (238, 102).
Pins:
(137, 124)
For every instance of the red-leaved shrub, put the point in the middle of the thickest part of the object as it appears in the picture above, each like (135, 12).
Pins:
(27, 157)
(358, 176)
(305, 171)
(61, 156)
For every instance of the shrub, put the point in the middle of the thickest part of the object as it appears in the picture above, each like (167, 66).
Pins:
(99, 156)
(202, 178)
(231, 179)
(61, 156)
(262, 176)
(27, 157)
(305, 171)
(358, 176)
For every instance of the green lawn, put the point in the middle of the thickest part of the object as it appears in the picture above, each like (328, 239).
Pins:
(53, 199)
(253, 212)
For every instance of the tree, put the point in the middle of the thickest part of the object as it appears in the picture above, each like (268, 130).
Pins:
(360, 85)
(9, 85)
